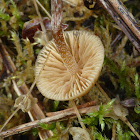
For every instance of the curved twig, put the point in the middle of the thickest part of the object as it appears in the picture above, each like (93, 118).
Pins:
(27, 126)
(132, 33)
(126, 16)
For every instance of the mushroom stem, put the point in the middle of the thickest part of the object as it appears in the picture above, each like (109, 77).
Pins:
(78, 114)
(88, 104)
(68, 60)
(62, 48)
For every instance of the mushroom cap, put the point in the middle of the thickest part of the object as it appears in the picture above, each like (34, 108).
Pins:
(55, 81)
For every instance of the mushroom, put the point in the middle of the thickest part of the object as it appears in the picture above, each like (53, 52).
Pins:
(62, 80)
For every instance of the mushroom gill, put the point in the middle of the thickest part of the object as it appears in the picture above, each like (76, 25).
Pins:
(55, 81)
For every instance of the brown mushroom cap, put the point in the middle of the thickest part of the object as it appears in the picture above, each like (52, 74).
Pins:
(55, 81)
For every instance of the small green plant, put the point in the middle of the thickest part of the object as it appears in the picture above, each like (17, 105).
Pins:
(57, 129)
(4, 16)
(16, 18)
(120, 67)
(98, 117)
(55, 105)
(45, 126)
(34, 132)
(121, 134)
(122, 73)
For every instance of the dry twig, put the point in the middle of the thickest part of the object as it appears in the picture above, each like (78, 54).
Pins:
(123, 118)
(113, 132)
(126, 16)
(61, 115)
(117, 39)
(36, 112)
(58, 117)
(125, 21)
(88, 104)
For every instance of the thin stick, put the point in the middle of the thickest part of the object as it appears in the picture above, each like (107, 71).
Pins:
(102, 91)
(46, 40)
(88, 104)
(135, 41)
(33, 84)
(48, 14)
(35, 112)
(26, 97)
(126, 16)
(41, 22)
(124, 119)
(59, 117)
(113, 132)
(7, 121)
(117, 39)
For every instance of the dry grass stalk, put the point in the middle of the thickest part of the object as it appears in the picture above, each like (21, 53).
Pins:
(88, 104)
(36, 112)
(122, 118)
(62, 115)
(58, 117)
(132, 33)
(125, 120)
(113, 132)
(126, 16)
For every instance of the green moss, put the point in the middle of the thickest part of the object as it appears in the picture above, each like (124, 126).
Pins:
(122, 73)
(51, 126)
(123, 134)
(120, 66)
(96, 118)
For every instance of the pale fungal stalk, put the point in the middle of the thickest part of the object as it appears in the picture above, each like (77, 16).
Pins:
(74, 64)
(78, 114)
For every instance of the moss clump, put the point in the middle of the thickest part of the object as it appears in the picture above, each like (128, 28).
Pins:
(119, 76)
